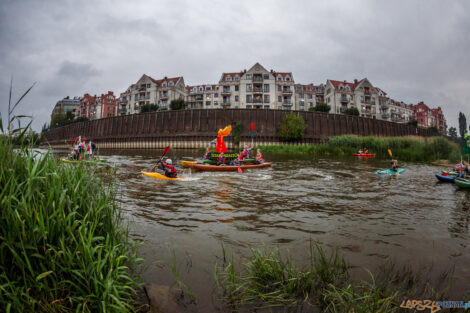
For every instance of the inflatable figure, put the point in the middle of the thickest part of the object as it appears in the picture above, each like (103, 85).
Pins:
(220, 146)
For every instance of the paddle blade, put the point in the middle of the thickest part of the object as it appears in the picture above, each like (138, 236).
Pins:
(390, 152)
(240, 170)
(167, 149)
(252, 126)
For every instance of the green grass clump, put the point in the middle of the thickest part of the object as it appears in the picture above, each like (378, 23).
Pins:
(415, 149)
(268, 279)
(63, 247)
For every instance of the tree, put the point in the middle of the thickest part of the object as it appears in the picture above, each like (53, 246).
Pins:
(292, 128)
(352, 111)
(433, 129)
(177, 104)
(413, 123)
(321, 107)
(148, 108)
(462, 124)
(453, 132)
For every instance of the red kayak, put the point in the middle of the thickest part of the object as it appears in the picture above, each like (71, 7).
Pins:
(225, 168)
(366, 155)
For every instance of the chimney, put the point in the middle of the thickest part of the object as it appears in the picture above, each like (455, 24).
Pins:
(165, 77)
(355, 80)
(345, 81)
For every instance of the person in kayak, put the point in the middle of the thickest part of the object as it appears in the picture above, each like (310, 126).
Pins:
(221, 160)
(259, 157)
(394, 166)
(207, 155)
(366, 151)
(360, 151)
(169, 169)
(246, 152)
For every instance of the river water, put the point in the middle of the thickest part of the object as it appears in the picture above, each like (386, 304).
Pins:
(340, 202)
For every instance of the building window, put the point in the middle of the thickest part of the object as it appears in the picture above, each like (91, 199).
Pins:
(237, 78)
(248, 76)
(248, 87)
(279, 88)
(279, 77)
(216, 102)
(249, 98)
(266, 87)
(266, 98)
(310, 104)
(236, 98)
(248, 106)
(309, 96)
(266, 76)
(287, 78)
(301, 95)
(279, 98)
(136, 97)
(362, 99)
(208, 88)
(236, 87)
(266, 107)
(373, 100)
(216, 95)
(208, 103)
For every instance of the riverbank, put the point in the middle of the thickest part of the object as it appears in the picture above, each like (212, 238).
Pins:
(64, 244)
(413, 149)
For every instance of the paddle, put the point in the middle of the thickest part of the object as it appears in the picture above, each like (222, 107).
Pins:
(252, 126)
(240, 170)
(167, 149)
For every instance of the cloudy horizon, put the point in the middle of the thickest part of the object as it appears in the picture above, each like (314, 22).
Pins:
(413, 50)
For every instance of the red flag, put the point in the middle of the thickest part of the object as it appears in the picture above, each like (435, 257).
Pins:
(252, 125)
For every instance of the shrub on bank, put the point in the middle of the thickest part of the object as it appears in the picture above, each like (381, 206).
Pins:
(292, 128)
(417, 149)
(63, 247)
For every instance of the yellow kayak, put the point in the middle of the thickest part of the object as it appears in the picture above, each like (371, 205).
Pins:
(159, 176)
(186, 163)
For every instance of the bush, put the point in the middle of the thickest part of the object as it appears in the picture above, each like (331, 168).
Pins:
(352, 111)
(413, 123)
(148, 108)
(236, 134)
(292, 128)
(177, 104)
(320, 107)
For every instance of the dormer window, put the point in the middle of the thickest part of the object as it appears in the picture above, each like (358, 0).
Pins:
(347, 88)
(171, 83)
(279, 77)
(341, 87)
(194, 89)
(208, 88)
(287, 78)
(201, 89)
(236, 78)
(164, 84)
(228, 78)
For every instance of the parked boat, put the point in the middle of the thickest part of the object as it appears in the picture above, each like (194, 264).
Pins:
(462, 183)
(446, 179)
(389, 171)
(365, 155)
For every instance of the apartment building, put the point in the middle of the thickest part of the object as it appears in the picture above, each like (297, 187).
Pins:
(307, 96)
(105, 106)
(257, 88)
(85, 105)
(148, 90)
(67, 105)
(400, 112)
(440, 120)
(203, 97)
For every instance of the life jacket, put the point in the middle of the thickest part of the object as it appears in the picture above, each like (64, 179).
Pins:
(259, 156)
(170, 171)
(222, 159)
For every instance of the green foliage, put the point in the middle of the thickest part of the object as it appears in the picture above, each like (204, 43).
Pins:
(413, 123)
(292, 128)
(60, 119)
(433, 129)
(236, 134)
(148, 108)
(352, 111)
(453, 132)
(462, 124)
(321, 107)
(177, 104)
(415, 149)
(268, 279)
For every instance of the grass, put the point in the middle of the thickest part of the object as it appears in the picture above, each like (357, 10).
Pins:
(415, 149)
(63, 245)
(268, 279)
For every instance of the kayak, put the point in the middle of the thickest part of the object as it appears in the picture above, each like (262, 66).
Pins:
(446, 179)
(82, 161)
(226, 168)
(186, 163)
(389, 171)
(159, 176)
(450, 173)
(462, 183)
(366, 155)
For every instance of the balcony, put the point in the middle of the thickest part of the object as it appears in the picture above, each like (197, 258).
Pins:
(199, 98)
(226, 92)
(225, 103)
(163, 105)
(385, 115)
(123, 101)
(257, 90)
(344, 100)
(123, 111)
(343, 109)
(258, 79)
(257, 100)
(164, 96)
(287, 102)
(367, 92)
(287, 91)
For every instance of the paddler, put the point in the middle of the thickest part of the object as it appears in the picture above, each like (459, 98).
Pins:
(259, 156)
(394, 166)
(366, 151)
(166, 166)
(221, 160)
(207, 155)
(246, 152)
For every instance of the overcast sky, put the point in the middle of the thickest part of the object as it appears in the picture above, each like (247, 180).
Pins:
(414, 50)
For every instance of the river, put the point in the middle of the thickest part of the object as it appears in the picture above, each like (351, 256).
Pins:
(340, 202)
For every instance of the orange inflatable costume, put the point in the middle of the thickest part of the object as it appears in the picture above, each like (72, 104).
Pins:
(220, 147)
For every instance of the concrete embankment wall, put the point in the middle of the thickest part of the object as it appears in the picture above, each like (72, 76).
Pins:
(195, 128)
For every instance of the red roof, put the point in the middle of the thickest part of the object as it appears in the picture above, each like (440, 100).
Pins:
(352, 86)
(283, 74)
(159, 82)
(224, 75)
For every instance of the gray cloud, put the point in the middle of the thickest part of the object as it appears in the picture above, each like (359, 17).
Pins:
(413, 50)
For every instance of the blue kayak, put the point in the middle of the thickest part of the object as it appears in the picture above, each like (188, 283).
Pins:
(389, 171)
(446, 179)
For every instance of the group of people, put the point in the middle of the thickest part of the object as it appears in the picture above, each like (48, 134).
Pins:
(82, 150)
(462, 169)
(363, 151)
(394, 163)
(242, 156)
